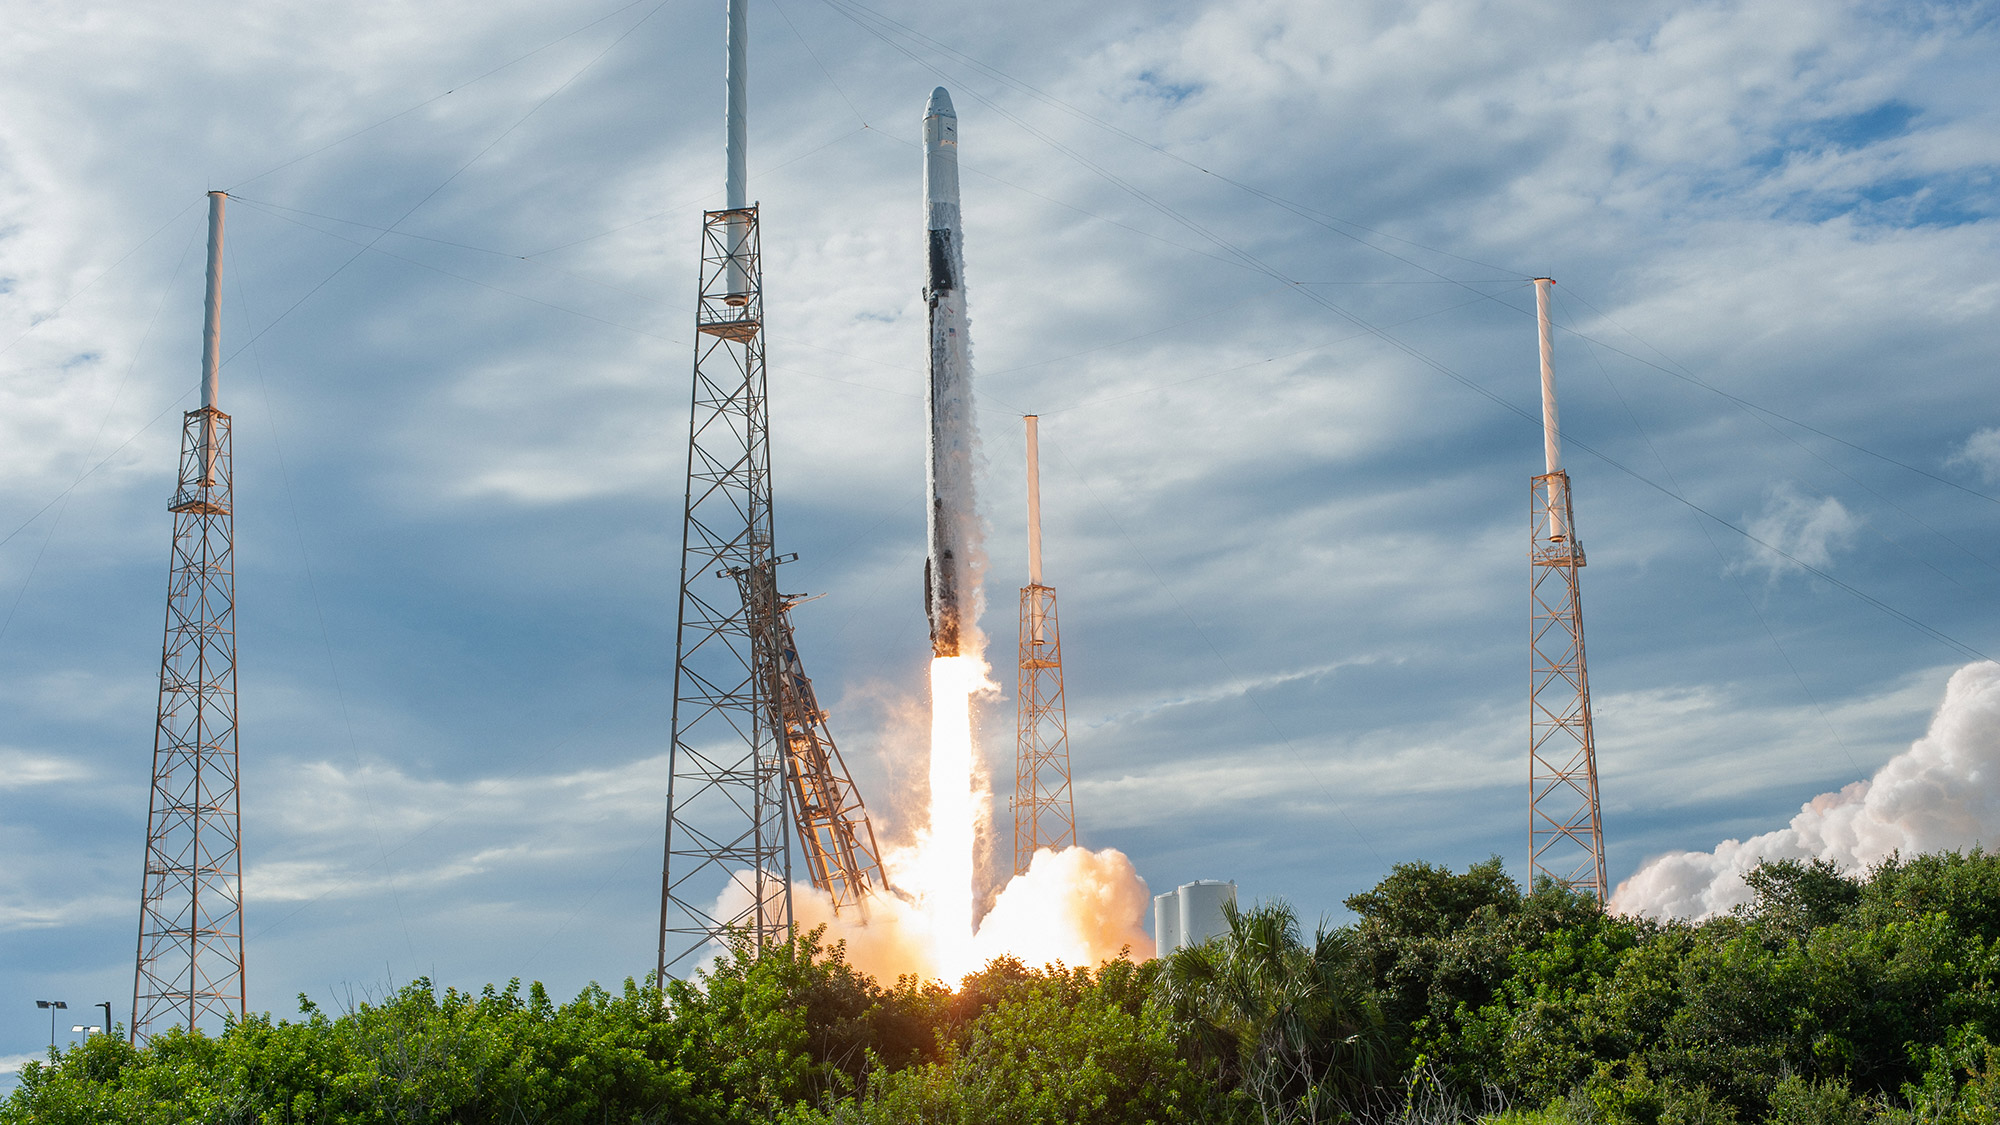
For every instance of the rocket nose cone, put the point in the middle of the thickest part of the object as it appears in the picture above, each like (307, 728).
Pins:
(940, 104)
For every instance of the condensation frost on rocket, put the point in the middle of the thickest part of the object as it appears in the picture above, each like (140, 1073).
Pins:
(951, 584)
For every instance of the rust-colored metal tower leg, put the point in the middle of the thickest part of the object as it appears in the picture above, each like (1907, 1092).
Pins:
(1565, 828)
(1044, 811)
(1565, 831)
(190, 958)
(726, 815)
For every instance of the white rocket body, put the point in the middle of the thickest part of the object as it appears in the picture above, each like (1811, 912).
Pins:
(949, 579)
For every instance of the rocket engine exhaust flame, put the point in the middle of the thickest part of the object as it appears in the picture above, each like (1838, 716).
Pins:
(946, 859)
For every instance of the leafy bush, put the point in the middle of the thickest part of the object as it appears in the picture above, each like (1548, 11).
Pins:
(1291, 1024)
(1065, 1046)
(1830, 1000)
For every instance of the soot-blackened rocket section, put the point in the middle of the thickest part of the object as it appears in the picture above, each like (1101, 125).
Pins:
(948, 400)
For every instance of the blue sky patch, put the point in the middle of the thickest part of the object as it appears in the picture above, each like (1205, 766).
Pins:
(1161, 88)
(1848, 132)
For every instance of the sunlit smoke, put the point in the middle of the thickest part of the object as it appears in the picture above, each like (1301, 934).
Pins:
(1075, 906)
(1943, 792)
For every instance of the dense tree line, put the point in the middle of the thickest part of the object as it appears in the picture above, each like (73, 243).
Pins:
(1452, 997)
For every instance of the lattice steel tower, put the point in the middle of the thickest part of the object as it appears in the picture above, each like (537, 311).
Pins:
(190, 960)
(725, 793)
(749, 736)
(1044, 813)
(1565, 830)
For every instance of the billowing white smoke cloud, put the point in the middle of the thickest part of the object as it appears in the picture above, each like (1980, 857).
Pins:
(891, 938)
(1941, 793)
(1076, 906)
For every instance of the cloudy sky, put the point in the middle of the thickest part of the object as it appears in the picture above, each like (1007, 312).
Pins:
(1260, 267)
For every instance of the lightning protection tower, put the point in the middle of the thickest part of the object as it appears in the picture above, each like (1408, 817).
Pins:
(1044, 813)
(190, 959)
(1565, 831)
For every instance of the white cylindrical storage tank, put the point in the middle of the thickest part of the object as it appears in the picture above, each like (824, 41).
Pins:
(1201, 909)
(1166, 923)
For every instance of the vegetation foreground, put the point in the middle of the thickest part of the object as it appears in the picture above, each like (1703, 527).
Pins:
(1831, 1001)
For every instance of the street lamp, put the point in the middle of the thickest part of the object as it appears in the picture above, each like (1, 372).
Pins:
(107, 1015)
(53, 1006)
(88, 1029)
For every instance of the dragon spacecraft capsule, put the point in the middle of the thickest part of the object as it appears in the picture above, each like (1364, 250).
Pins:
(948, 400)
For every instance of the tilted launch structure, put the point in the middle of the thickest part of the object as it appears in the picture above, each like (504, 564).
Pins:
(1044, 813)
(1565, 829)
(750, 757)
(834, 831)
(190, 958)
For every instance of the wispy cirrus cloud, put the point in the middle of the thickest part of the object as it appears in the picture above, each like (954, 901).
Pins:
(20, 769)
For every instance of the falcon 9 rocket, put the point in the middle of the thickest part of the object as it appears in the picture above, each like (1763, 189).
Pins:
(950, 595)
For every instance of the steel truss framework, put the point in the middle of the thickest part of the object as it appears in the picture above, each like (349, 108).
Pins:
(1044, 814)
(834, 832)
(725, 791)
(190, 960)
(1565, 831)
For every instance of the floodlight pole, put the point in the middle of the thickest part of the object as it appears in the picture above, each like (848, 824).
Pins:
(53, 1007)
